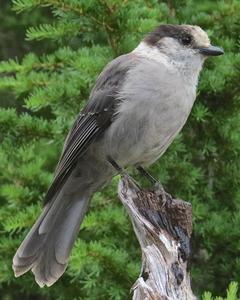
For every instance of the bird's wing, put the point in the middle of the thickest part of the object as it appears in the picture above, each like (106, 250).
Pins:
(92, 120)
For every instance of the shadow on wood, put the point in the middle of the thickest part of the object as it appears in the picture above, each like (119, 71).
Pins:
(163, 226)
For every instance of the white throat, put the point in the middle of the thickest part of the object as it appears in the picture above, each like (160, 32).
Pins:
(189, 68)
(146, 51)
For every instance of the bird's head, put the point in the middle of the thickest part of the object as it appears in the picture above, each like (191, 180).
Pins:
(181, 43)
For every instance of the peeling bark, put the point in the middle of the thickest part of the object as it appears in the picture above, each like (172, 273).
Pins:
(163, 226)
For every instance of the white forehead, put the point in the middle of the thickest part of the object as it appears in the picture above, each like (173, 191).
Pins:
(199, 35)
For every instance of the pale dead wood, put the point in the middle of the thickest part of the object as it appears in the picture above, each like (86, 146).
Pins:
(163, 226)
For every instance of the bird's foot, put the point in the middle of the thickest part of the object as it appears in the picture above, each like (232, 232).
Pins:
(157, 187)
(162, 194)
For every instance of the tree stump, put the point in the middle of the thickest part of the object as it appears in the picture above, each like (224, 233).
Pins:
(163, 226)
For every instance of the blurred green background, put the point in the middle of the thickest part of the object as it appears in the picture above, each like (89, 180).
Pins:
(51, 52)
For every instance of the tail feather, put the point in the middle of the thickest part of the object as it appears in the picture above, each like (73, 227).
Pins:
(68, 231)
(47, 246)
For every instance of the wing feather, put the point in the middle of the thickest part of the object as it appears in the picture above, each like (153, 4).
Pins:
(92, 121)
(87, 131)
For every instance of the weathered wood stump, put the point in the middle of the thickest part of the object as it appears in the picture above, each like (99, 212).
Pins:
(163, 226)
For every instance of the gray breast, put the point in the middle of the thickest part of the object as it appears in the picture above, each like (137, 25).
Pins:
(155, 103)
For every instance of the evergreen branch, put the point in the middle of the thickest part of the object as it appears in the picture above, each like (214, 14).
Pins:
(55, 32)
(37, 99)
(110, 9)
(232, 291)
(113, 260)
(48, 66)
(31, 62)
(24, 125)
(22, 5)
(71, 6)
(8, 83)
(24, 219)
(9, 66)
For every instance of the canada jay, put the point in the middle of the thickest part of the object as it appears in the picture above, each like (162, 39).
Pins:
(140, 102)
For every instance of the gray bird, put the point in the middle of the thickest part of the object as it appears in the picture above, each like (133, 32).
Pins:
(138, 105)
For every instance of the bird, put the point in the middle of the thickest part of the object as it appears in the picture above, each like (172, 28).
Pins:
(140, 102)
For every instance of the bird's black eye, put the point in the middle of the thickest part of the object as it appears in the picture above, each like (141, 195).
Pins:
(186, 40)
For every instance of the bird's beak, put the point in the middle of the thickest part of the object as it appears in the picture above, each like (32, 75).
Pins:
(211, 51)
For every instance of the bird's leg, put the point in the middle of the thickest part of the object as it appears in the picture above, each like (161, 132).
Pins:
(157, 186)
(147, 175)
(115, 165)
(121, 170)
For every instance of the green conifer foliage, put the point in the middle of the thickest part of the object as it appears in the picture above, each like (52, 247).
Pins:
(202, 166)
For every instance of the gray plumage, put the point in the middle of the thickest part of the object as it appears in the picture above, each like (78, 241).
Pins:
(140, 102)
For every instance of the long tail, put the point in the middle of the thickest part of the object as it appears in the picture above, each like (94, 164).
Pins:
(47, 246)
